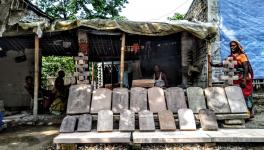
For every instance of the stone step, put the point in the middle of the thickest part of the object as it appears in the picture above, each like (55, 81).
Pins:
(236, 135)
(198, 136)
(93, 137)
(171, 137)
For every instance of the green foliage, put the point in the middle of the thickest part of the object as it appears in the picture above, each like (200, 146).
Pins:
(120, 18)
(176, 16)
(51, 65)
(82, 9)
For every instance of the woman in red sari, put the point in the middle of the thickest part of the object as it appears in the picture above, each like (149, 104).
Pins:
(244, 72)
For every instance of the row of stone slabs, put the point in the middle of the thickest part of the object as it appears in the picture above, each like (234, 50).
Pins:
(220, 100)
(146, 121)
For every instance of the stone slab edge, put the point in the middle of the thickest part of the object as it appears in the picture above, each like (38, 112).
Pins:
(93, 137)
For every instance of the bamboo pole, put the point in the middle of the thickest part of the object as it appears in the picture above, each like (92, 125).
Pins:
(36, 76)
(209, 67)
(122, 59)
(92, 72)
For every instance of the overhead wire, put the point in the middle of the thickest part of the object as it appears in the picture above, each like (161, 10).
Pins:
(174, 10)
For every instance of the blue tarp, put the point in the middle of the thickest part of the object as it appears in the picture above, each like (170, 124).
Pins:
(244, 21)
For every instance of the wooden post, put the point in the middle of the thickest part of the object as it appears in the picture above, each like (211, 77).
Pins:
(92, 72)
(36, 76)
(209, 67)
(122, 59)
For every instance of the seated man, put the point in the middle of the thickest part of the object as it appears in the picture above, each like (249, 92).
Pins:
(160, 77)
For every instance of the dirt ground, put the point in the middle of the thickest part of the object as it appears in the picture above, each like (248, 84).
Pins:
(28, 138)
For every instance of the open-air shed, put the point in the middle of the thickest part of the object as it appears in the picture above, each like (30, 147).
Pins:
(178, 47)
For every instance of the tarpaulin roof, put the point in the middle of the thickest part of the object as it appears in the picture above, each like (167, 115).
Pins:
(200, 30)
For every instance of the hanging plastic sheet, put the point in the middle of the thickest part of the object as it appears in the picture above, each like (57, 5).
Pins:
(244, 21)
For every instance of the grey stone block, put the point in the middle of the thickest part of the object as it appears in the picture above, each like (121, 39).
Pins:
(186, 119)
(208, 119)
(196, 99)
(84, 123)
(105, 121)
(119, 100)
(175, 99)
(127, 121)
(166, 120)
(236, 99)
(79, 99)
(216, 100)
(93, 137)
(138, 99)
(101, 100)
(171, 137)
(146, 121)
(235, 122)
(68, 124)
(156, 99)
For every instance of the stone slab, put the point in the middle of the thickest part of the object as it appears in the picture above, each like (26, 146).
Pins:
(119, 100)
(235, 122)
(171, 137)
(175, 99)
(186, 119)
(146, 121)
(68, 124)
(105, 121)
(237, 135)
(93, 137)
(208, 120)
(138, 99)
(127, 121)
(227, 126)
(216, 100)
(84, 123)
(236, 99)
(166, 120)
(196, 99)
(156, 99)
(101, 100)
(232, 116)
(79, 99)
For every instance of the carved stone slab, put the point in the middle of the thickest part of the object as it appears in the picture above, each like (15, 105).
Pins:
(236, 99)
(101, 100)
(138, 99)
(79, 99)
(175, 99)
(166, 120)
(84, 123)
(216, 100)
(186, 119)
(146, 121)
(208, 120)
(105, 121)
(127, 120)
(68, 124)
(156, 99)
(119, 100)
(196, 99)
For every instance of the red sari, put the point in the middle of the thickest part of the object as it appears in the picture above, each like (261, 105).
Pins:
(248, 89)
